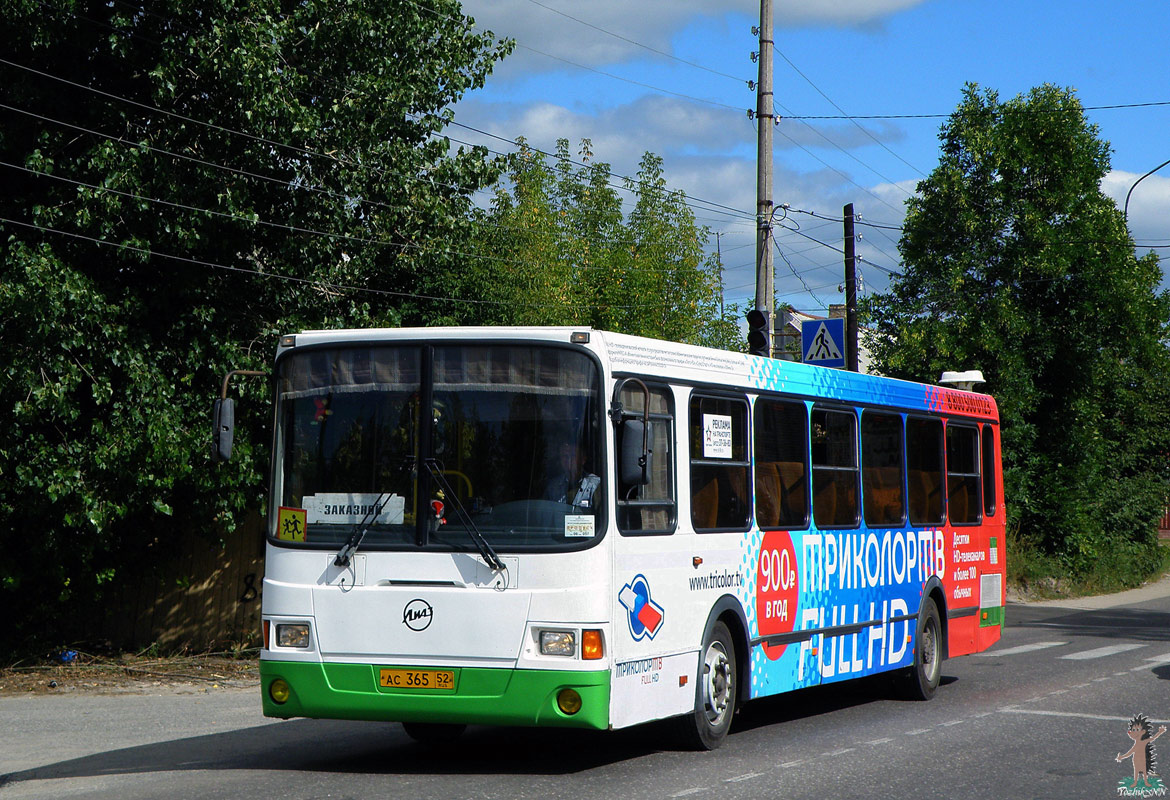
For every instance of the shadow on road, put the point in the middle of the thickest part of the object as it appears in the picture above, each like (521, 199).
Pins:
(362, 748)
(1112, 623)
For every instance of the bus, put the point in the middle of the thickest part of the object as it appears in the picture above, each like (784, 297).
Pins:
(561, 526)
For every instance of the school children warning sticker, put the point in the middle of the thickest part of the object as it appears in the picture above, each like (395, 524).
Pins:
(291, 524)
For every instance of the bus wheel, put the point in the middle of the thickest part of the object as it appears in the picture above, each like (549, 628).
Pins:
(921, 681)
(715, 695)
(433, 732)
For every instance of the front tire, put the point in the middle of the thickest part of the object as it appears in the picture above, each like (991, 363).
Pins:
(715, 695)
(921, 682)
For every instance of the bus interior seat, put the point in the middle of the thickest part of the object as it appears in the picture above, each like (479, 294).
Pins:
(705, 505)
(769, 494)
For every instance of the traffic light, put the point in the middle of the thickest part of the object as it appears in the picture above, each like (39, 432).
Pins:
(759, 333)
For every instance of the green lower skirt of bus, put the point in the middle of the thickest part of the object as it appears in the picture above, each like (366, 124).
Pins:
(415, 694)
(990, 616)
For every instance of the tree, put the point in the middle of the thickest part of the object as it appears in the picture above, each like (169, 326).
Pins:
(558, 249)
(1016, 263)
(182, 184)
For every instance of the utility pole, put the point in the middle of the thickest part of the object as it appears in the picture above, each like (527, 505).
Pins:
(850, 292)
(719, 261)
(765, 301)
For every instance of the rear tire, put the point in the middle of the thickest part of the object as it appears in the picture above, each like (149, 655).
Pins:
(715, 693)
(433, 733)
(922, 679)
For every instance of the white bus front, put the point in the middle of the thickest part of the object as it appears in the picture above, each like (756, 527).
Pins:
(436, 539)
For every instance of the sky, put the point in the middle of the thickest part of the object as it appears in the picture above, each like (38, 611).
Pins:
(671, 77)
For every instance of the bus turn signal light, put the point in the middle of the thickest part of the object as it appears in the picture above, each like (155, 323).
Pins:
(591, 648)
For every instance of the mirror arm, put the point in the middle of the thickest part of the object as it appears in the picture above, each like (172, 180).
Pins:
(227, 378)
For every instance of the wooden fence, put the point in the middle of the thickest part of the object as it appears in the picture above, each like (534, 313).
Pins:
(204, 594)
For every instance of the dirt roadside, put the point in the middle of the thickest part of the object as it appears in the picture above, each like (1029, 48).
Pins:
(75, 672)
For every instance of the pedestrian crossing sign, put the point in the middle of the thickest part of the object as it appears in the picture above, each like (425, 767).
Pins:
(822, 342)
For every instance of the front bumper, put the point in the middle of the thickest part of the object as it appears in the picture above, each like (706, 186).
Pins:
(481, 696)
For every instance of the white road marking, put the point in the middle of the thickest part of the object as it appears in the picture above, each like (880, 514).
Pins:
(745, 777)
(787, 764)
(1101, 652)
(1078, 715)
(686, 792)
(880, 741)
(1152, 662)
(918, 732)
(1023, 648)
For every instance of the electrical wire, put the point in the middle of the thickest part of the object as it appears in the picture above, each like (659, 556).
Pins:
(640, 44)
(856, 124)
(336, 287)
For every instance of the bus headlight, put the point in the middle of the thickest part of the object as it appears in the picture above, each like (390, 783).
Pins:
(558, 643)
(292, 635)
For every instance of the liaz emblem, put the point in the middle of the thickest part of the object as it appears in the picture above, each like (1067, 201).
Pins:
(644, 615)
(417, 615)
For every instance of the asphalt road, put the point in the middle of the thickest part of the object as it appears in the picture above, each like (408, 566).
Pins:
(1043, 714)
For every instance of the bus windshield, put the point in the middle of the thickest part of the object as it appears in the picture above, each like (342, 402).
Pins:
(510, 446)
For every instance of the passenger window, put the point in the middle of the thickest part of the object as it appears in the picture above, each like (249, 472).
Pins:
(781, 464)
(833, 438)
(963, 474)
(719, 463)
(924, 470)
(649, 508)
(988, 471)
(881, 469)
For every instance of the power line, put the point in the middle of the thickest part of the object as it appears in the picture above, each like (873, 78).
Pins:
(1111, 107)
(640, 44)
(401, 246)
(881, 144)
(338, 287)
(334, 159)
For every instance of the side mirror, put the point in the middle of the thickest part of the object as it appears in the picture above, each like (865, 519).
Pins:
(223, 428)
(635, 462)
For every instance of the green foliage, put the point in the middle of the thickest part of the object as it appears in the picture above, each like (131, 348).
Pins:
(1017, 264)
(111, 356)
(558, 250)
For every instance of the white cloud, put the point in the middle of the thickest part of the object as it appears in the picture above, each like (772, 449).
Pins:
(653, 24)
(1149, 205)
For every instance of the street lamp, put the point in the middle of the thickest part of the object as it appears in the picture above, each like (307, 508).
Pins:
(1125, 213)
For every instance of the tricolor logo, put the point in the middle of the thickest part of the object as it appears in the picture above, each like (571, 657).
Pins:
(644, 615)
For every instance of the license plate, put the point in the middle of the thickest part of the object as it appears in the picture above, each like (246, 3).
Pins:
(440, 680)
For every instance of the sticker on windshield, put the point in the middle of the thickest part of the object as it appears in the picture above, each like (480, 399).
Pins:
(291, 525)
(579, 526)
(340, 508)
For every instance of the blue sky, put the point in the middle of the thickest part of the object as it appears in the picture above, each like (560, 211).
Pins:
(860, 57)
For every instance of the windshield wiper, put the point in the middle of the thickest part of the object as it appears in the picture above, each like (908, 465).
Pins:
(359, 531)
(485, 549)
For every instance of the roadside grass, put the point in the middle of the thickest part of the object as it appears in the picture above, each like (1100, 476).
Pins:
(1035, 575)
